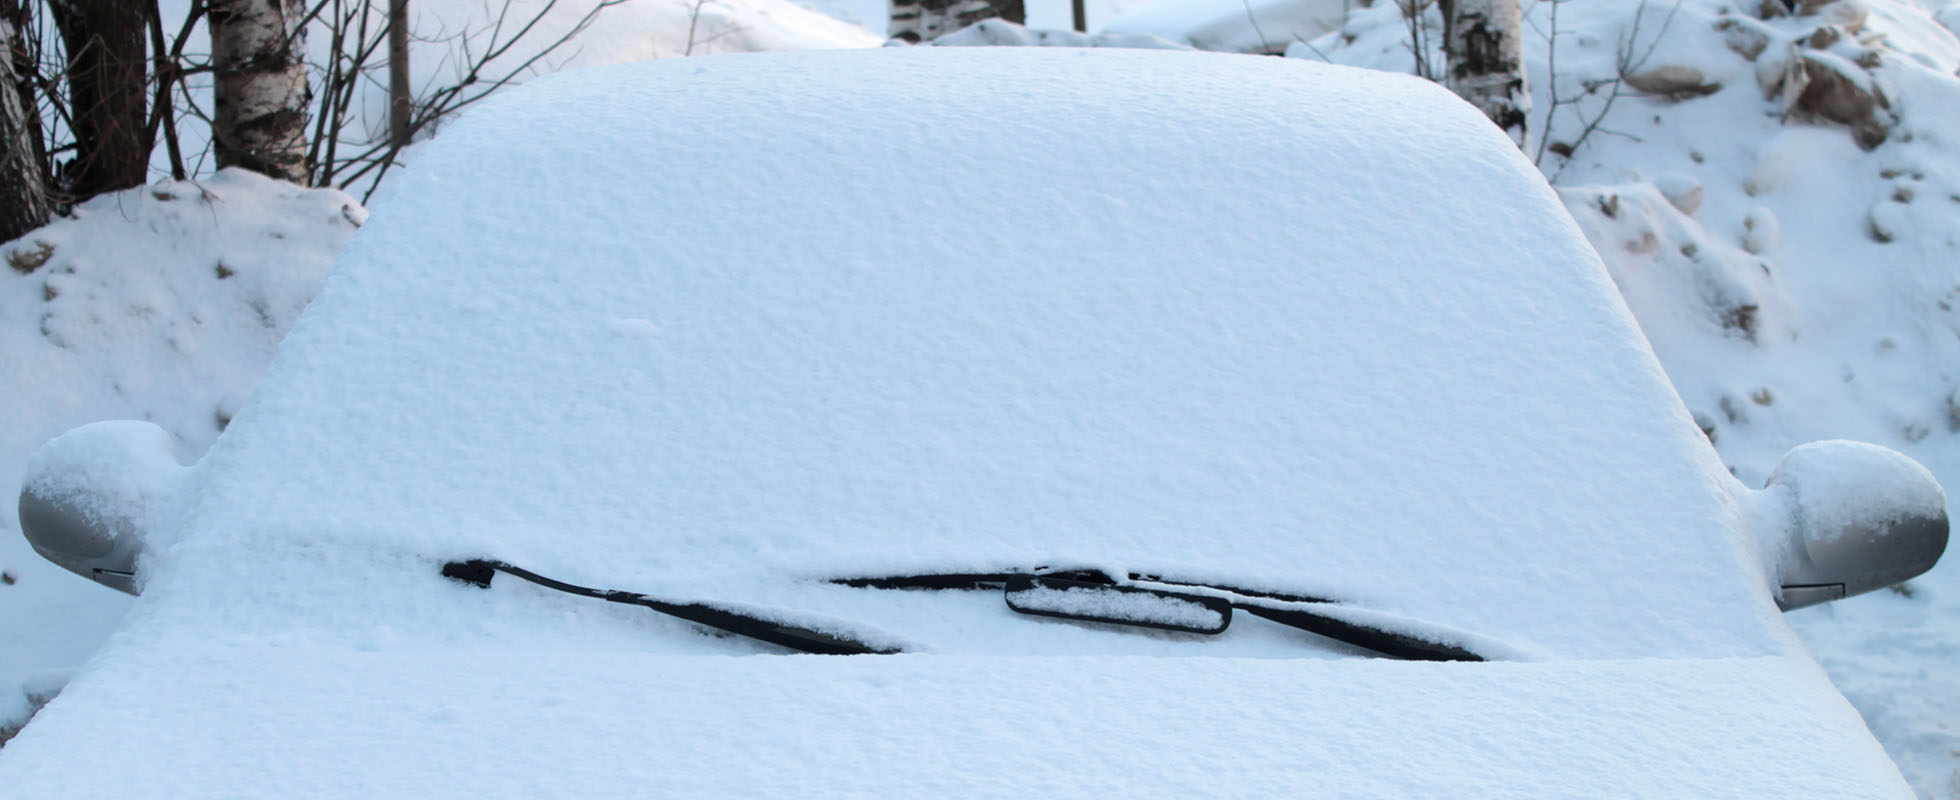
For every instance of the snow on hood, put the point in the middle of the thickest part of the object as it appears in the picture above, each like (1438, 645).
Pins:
(719, 325)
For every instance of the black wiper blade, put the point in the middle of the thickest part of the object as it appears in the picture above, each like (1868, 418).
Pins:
(963, 581)
(795, 637)
(1366, 637)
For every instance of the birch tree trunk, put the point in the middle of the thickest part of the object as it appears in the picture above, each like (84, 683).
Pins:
(925, 20)
(108, 73)
(1483, 50)
(258, 52)
(24, 203)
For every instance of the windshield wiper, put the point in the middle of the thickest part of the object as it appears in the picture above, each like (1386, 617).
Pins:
(777, 632)
(1094, 596)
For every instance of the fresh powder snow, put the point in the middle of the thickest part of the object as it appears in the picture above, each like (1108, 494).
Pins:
(729, 365)
(162, 303)
(1793, 264)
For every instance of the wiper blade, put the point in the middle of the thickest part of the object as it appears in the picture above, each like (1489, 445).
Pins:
(1118, 605)
(962, 581)
(777, 632)
(1366, 637)
(1295, 611)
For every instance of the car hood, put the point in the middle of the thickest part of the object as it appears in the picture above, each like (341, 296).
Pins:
(265, 721)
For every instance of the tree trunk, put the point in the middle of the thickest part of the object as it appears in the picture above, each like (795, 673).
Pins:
(401, 102)
(24, 203)
(924, 20)
(257, 51)
(1483, 50)
(108, 73)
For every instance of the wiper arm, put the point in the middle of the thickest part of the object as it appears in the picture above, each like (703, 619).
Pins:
(1298, 611)
(777, 632)
(959, 581)
(1366, 637)
(1176, 611)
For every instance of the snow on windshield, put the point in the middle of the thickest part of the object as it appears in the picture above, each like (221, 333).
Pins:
(761, 319)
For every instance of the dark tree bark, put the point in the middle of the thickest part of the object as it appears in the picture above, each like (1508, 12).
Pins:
(401, 103)
(261, 100)
(24, 202)
(924, 20)
(108, 73)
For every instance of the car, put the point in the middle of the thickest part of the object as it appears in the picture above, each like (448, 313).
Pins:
(945, 421)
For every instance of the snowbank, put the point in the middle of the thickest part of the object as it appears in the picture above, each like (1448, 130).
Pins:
(161, 303)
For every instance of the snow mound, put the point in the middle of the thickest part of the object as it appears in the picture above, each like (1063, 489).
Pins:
(161, 303)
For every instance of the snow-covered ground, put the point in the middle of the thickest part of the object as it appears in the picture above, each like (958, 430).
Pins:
(162, 303)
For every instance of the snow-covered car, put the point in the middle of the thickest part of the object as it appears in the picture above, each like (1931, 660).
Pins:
(1146, 424)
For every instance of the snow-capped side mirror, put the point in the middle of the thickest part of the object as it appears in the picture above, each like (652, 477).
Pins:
(1858, 517)
(87, 496)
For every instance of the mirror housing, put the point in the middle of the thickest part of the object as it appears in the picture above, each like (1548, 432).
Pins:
(86, 500)
(1858, 517)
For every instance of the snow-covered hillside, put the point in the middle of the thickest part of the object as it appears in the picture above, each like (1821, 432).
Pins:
(1777, 193)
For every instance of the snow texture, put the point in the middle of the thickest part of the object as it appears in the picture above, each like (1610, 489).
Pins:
(693, 345)
(1853, 486)
(515, 724)
(162, 303)
(1803, 289)
(822, 405)
(105, 470)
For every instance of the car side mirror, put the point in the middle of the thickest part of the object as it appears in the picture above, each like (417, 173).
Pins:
(1857, 517)
(87, 497)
